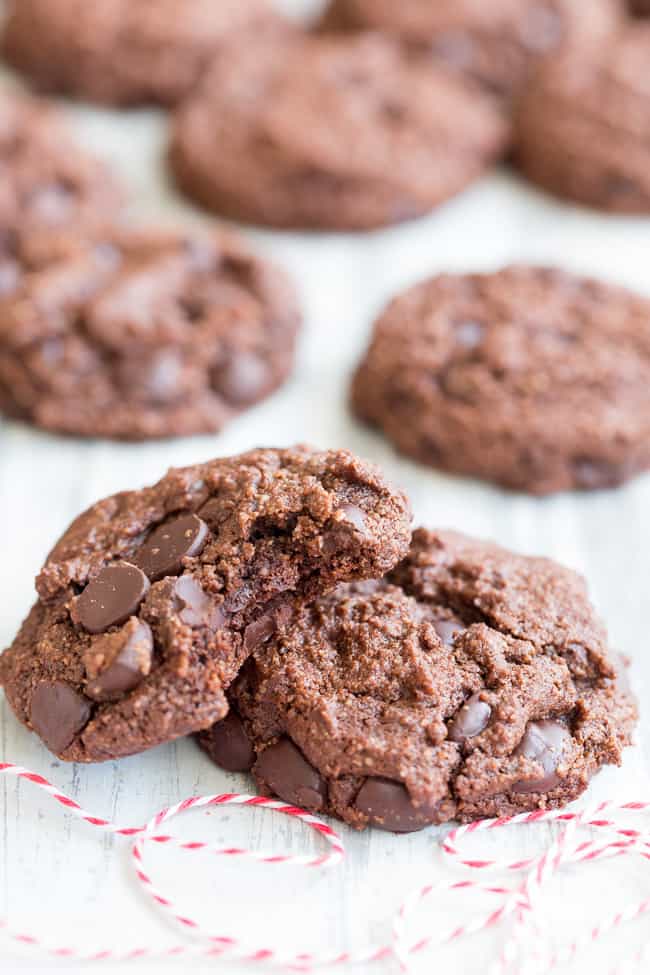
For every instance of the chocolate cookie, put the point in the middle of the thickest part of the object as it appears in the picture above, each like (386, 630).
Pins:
(51, 192)
(496, 43)
(152, 600)
(127, 52)
(469, 682)
(145, 334)
(529, 377)
(582, 128)
(341, 133)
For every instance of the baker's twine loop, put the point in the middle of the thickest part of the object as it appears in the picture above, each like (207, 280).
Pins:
(514, 899)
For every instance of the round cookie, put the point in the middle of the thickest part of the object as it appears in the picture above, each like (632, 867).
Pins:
(496, 43)
(470, 682)
(339, 133)
(582, 128)
(52, 193)
(127, 52)
(145, 334)
(152, 600)
(530, 377)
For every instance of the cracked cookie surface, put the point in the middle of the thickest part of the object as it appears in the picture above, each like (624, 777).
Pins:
(469, 682)
(530, 377)
(153, 599)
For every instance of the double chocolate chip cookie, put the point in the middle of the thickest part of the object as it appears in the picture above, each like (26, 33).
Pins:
(583, 126)
(496, 43)
(152, 600)
(144, 334)
(127, 52)
(341, 133)
(52, 193)
(469, 682)
(529, 377)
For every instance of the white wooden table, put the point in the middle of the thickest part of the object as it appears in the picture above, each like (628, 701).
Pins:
(67, 883)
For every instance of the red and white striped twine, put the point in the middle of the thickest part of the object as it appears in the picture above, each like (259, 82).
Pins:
(514, 901)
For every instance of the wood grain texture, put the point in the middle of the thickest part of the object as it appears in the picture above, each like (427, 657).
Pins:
(58, 877)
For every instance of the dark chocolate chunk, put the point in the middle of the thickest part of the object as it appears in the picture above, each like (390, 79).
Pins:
(117, 662)
(388, 805)
(111, 597)
(228, 744)
(288, 774)
(544, 742)
(166, 548)
(57, 714)
(470, 720)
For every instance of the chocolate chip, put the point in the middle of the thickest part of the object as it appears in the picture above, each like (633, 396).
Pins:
(57, 714)
(229, 745)
(468, 333)
(113, 596)
(285, 770)
(196, 607)
(353, 515)
(388, 805)
(118, 662)
(447, 630)
(163, 552)
(544, 742)
(470, 720)
(259, 632)
(242, 379)
(593, 474)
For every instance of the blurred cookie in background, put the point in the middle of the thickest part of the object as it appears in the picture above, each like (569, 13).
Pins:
(144, 334)
(332, 133)
(126, 52)
(582, 127)
(530, 377)
(52, 192)
(496, 43)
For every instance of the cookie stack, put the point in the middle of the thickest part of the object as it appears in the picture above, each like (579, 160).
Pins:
(276, 603)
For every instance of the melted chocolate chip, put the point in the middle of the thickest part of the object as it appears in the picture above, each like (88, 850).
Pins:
(447, 630)
(287, 773)
(470, 720)
(57, 714)
(544, 742)
(353, 515)
(229, 745)
(196, 608)
(113, 596)
(163, 552)
(118, 662)
(594, 474)
(259, 632)
(388, 805)
(242, 379)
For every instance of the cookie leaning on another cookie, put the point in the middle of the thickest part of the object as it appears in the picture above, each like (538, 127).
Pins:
(339, 133)
(582, 128)
(152, 600)
(126, 52)
(496, 43)
(469, 682)
(530, 377)
(143, 334)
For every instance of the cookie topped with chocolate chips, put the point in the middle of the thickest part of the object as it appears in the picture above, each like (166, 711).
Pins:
(52, 192)
(144, 334)
(530, 377)
(469, 682)
(331, 132)
(153, 599)
(128, 52)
